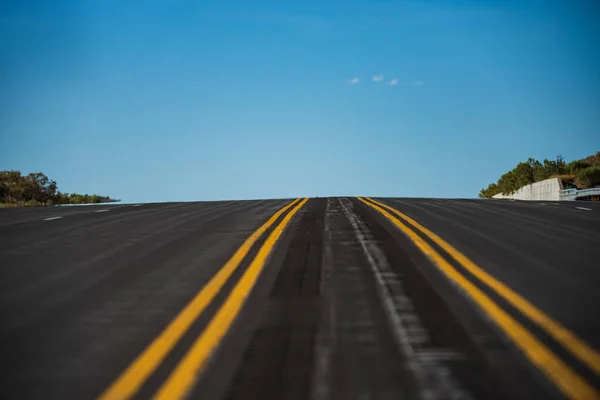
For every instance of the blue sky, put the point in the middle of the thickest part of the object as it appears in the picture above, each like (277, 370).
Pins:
(182, 100)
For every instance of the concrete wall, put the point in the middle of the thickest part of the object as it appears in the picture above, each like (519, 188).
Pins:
(548, 189)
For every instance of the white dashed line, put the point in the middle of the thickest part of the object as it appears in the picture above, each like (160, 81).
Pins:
(51, 218)
(102, 211)
(137, 205)
(583, 208)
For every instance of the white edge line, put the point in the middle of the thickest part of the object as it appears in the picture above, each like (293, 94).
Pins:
(51, 218)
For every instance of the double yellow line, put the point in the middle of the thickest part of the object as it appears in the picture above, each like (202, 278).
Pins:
(181, 380)
(568, 381)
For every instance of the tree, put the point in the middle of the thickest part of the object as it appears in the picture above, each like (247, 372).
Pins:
(37, 189)
(557, 167)
(40, 188)
(13, 185)
(539, 174)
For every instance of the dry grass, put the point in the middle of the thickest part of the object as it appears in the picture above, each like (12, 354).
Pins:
(8, 205)
(31, 203)
(568, 180)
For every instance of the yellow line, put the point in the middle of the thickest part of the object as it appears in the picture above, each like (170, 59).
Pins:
(567, 380)
(586, 354)
(132, 379)
(183, 377)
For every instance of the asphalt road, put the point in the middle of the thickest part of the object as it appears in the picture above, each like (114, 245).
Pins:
(325, 298)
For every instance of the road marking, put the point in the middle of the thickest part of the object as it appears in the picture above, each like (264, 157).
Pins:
(434, 378)
(585, 353)
(137, 205)
(102, 211)
(132, 379)
(567, 381)
(183, 377)
(51, 218)
(583, 208)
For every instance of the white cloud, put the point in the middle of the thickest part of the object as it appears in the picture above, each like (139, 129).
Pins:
(353, 81)
(394, 81)
(377, 78)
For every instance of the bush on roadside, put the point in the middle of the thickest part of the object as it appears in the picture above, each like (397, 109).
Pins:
(491, 190)
(575, 166)
(593, 160)
(589, 177)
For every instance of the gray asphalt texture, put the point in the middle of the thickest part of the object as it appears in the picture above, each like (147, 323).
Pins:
(82, 295)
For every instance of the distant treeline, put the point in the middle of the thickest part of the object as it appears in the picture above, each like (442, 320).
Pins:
(580, 174)
(36, 189)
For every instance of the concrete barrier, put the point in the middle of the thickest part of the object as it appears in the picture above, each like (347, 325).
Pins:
(548, 189)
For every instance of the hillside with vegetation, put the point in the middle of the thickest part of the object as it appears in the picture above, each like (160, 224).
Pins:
(36, 189)
(579, 174)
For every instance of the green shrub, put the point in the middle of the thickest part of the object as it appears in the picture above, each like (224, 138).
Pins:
(491, 190)
(575, 166)
(590, 177)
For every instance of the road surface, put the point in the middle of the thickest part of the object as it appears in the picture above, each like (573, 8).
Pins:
(321, 298)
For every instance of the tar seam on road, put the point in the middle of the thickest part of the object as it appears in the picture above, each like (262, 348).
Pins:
(325, 340)
(183, 377)
(132, 379)
(434, 378)
(565, 379)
